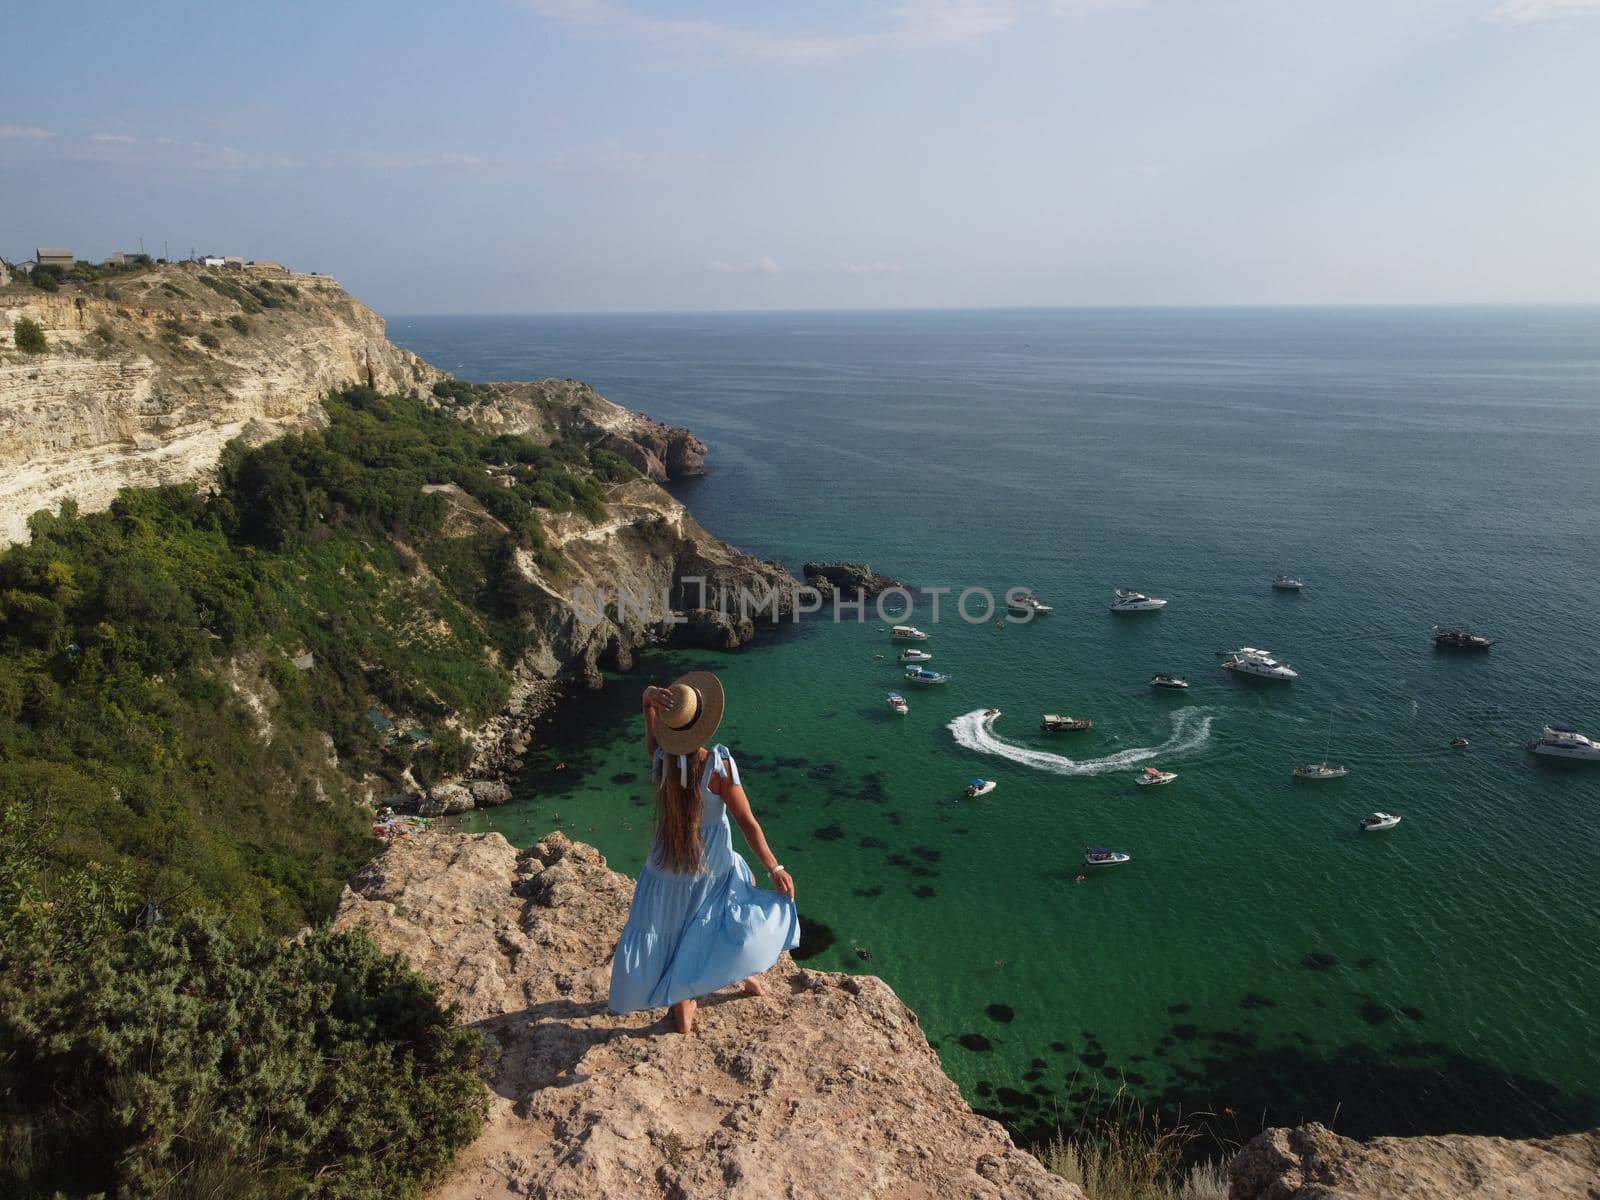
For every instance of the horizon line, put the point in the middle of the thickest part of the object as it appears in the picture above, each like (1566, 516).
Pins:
(1301, 306)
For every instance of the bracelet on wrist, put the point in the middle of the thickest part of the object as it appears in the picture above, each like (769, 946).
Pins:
(774, 870)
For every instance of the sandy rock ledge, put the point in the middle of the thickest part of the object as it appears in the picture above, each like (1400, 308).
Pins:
(825, 1088)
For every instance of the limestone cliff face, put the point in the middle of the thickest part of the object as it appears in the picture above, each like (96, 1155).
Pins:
(824, 1088)
(144, 379)
(1313, 1163)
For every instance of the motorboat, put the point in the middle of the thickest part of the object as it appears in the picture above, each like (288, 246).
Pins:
(924, 675)
(1459, 743)
(979, 787)
(907, 633)
(1028, 603)
(1378, 822)
(1172, 683)
(1563, 741)
(1321, 770)
(1098, 856)
(1151, 777)
(990, 714)
(915, 656)
(1288, 583)
(897, 704)
(1056, 723)
(1248, 660)
(1130, 601)
(1460, 639)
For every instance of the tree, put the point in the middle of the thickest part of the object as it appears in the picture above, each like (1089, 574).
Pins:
(29, 336)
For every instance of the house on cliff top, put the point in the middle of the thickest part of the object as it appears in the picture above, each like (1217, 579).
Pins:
(48, 256)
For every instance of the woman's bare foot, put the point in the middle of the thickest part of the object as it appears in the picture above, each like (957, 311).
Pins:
(754, 987)
(683, 1016)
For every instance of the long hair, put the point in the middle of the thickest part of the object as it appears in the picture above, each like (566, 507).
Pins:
(678, 847)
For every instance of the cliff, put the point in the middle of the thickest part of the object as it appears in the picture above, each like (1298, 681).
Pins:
(1313, 1163)
(826, 1087)
(149, 373)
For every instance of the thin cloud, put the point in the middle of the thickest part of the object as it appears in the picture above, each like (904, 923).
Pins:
(911, 25)
(25, 133)
(754, 266)
(1539, 12)
(380, 160)
(123, 138)
(871, 268)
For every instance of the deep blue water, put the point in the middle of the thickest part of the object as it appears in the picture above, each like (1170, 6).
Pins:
(1414, 466)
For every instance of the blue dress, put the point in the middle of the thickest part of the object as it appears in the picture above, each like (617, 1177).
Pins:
(688, 935)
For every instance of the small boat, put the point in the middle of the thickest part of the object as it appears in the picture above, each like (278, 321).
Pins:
(1028, 603)
(924, 675)
(1098, 856)
(1563, 741)
(897, 704)
(979, 787)
(1287, 583)
(990, 714)
(907, 633)
(915, 656)
(1321, 770)
(1173, 683)
(1460, 639)
(1128, 600)
(1459, 743)
(1150, 777)
(1378, 822)
(1056, 723)
(1248, 660)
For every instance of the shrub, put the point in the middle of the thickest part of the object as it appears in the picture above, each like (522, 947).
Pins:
(210, 340)
(455, 390)
(46, 279)
(132, 1058)
(29, 336)
(239, 324)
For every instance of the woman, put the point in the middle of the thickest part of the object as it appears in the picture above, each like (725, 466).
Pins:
(698, 922)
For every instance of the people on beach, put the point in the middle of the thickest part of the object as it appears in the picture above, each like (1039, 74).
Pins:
(698, 921)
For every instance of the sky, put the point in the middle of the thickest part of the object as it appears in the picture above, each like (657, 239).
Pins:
(638, 155)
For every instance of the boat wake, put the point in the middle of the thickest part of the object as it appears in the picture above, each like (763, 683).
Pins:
(1191, 729)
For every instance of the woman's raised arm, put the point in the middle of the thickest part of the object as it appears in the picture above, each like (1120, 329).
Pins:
(648, 703)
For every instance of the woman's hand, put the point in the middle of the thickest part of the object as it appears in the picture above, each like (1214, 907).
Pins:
(783, 883)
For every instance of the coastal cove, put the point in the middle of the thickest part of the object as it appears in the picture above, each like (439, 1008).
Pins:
(1415, 467)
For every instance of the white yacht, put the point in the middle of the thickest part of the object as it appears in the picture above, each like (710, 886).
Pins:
(979, 787)
(1247, 660)
(915, 674)
(1029, 603)
(1378, 822)
(1321, 770)
(1563, 741)
(1151, 777)
(1288, 583)
(915, 656)
(897, 704)
(1097, 856)
(907, 633)
(1131, 601)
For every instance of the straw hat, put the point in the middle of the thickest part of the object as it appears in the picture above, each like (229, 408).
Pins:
(688, 712)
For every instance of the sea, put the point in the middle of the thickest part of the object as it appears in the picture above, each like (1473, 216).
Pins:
(1259, 960)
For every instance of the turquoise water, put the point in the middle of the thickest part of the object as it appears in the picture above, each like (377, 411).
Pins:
(1258, 954)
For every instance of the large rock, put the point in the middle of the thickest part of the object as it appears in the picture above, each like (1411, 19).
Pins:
(826, 1087)
(444, 800)
(849, 578)
(1314, 1163)
(488, 793)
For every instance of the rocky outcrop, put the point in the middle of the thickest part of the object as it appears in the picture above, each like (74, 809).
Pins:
(825, 1087)
(548, 408)
(849, 579)
(1314, 1163)
(145, 380)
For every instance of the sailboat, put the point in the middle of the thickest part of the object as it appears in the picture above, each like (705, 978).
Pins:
(1323, 769)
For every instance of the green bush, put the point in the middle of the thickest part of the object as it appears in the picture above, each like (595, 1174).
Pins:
(29, 336)
(138, 1057)
(210, 340)
(46, 279)
(239, 324)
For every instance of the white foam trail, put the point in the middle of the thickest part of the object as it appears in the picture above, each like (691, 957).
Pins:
(1191, 729)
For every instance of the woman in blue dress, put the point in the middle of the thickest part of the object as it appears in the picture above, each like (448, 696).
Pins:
(698, 922)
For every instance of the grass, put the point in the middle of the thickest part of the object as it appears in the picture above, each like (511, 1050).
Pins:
(1127, 1153)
